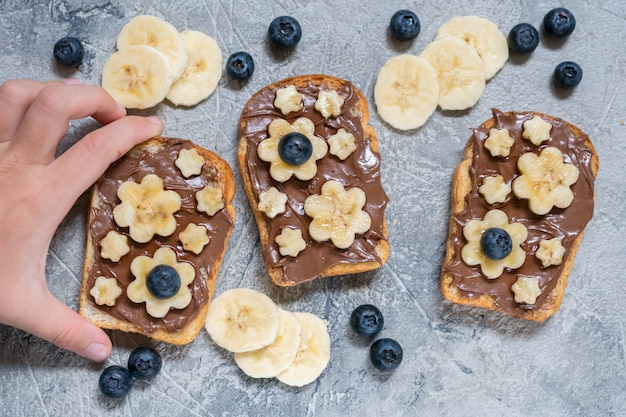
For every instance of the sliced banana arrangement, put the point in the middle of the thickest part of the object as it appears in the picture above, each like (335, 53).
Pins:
(267, 341)
(155, 61)
(451, 72)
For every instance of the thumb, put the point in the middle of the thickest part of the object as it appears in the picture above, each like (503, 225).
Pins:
(55, 322)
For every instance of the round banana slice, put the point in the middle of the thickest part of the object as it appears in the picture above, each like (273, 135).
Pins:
(460, 72)
(275, 358)
(138, 77)
(242, 320)
(159, 34)
(313, 353)
(406, 91)
(481, 34)
(203, 71)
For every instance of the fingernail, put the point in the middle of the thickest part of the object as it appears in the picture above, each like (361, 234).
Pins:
(71, 81)
(155, 120)
(96, 352)
(121, 107)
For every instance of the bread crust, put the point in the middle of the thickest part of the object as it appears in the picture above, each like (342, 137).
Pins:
(226, 181)
(461, 187)
(263, 223)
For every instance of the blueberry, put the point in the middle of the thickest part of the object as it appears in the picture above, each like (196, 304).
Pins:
(285, 32)
(567, 74)
(144, 363)
(496, 243)
(559, 22)
(404, 25)
(163, 281)
(367, 320)
(240, 66)
(523, 38)
(386, 354)
(295, 149)
(115, 381)
(69, 51)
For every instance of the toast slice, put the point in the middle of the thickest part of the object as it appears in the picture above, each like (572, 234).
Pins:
(202, 245)
(468, 284)
(342, 112)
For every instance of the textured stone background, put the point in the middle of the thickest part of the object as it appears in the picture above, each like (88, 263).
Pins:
(458, 361)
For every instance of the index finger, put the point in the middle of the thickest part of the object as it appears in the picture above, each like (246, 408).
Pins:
(16, 96)
(81, 165)
(46, 121)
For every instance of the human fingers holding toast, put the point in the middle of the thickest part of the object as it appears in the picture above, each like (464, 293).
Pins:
(38, 190)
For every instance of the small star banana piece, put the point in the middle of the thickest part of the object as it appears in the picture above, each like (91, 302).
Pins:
(105, 291)
(288, 99)
(329, 103)
(550, 252)
(526, 289)
(536, 130)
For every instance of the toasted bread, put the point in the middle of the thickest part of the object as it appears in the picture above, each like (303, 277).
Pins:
(361, 168)
(464, 284)
(158, 156)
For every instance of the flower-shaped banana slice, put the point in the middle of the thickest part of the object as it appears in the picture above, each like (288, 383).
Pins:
(342, 144)
(536, 130)
(279, 169)
(105, 291)
(138, 291)
(499, 142)
(288, 100)
(550, 252)
(473, 253)
(194, 238)
(494, 189)
(190, 162)
(113, 246)
(526, 289)
(329, 103)
(290, 242)
(146, 208)
(272, 202)
(210, 200)
(337, 214)
(545, 180)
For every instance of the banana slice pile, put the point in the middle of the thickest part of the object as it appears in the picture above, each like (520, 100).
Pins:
(451, 72)
(267, 341)
(155, 61)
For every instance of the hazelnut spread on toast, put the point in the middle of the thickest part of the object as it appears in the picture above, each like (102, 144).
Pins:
(164, 206)
(321, 214)
(521, 198)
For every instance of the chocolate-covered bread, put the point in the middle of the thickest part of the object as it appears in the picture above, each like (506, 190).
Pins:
(166, 202)
(532, 175)
(344, 162)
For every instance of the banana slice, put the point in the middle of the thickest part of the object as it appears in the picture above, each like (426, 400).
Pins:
(275, 358)
(406, 91)
(460, 72)
(159, 34)
(138, 77)
(242, 320)
(481, 34)
(313, 353)
(202, 73)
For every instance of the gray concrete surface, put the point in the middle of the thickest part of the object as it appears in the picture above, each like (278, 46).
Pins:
(458, 361)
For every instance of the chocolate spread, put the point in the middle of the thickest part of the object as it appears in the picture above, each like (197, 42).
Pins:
(133, 167)
(565, 224)
(361, 169)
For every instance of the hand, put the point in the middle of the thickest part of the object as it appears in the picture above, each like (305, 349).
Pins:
(37, 191)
